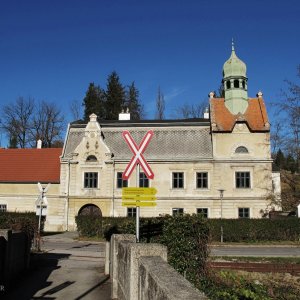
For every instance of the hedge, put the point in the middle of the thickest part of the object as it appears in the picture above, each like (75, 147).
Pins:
(19, 221)
(235, 230)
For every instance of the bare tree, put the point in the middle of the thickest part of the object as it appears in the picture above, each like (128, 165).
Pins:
(160, 105)
(16, 120)
(289, 110)
(191, 110)
(76, 109)
(47, 124)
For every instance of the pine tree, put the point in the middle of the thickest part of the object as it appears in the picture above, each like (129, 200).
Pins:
(160, 105)
(280, 160)
(115, 97)
(93, 102)
(133, 103)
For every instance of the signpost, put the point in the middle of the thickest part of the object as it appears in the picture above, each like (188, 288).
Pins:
(138, 196)
(41, 205)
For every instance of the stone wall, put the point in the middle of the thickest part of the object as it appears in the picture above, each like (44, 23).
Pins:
(14, 255)
(140, 272)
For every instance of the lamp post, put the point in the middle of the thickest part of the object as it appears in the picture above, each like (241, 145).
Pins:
(221, 198)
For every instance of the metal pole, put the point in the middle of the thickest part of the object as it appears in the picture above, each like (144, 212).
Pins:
(221, 197)
(137, 207)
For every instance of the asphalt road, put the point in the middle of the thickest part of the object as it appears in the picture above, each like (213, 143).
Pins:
(65, 269)
(249, 250)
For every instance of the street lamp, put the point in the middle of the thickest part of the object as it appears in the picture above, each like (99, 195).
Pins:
(221, 197)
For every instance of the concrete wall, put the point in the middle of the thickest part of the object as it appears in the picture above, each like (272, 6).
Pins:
(14, 255)
(140, 271)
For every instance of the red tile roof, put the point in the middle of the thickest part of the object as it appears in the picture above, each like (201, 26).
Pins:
(30, 165)
(223, 120)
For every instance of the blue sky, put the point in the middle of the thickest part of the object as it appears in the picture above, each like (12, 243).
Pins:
(53, 49)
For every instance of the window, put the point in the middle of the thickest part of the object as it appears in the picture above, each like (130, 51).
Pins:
(244, 84)
(178, 180)
(202, 180)
(3, 207)
(203, 212)
(91, 158)
(120, 182)
(131, 212)
(177, 211)
(236, 84)
(242, 180)
(144, 181)
(90, 180)
(228, 84)
(244, 212)
(241, 149)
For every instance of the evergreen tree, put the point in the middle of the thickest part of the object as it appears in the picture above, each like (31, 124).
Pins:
(115, 97)
(280, 160)
(93, 102)
(291, 164)
(133, 103)
(13, 142)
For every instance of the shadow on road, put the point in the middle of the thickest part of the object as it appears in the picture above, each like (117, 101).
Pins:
(36, 278)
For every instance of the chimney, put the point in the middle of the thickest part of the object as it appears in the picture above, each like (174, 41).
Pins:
(39, 144)
(206, 113)
(124, 116)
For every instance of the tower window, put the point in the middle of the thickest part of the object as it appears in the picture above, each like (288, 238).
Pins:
(241, 149)
(228, 84)
(244, 84)
(236, 84)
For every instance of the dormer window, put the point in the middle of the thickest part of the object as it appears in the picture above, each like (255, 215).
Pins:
(91, 158)
(241, 149)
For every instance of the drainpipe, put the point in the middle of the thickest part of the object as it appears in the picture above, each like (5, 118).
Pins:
(68, 195)
(113, 190)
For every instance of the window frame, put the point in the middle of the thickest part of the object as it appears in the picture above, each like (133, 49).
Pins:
(143, 179)
(131, 212)
(180, 186)
(243, 182)
(177, 211)
(120, 182)
(3, 208)
(244, 213)
(87, 179)
(197, 180)
(205, 214)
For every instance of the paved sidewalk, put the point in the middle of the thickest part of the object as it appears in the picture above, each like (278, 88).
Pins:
(75, 270)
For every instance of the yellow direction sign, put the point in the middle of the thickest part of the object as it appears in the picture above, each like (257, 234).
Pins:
(138, 191)
(138, 203)
(138, 197)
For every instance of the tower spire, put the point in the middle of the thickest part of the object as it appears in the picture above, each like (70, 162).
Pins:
(232, 45)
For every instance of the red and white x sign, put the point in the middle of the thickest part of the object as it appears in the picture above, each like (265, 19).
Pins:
(138, 154)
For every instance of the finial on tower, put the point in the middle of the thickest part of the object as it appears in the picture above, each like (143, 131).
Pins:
(232, 45)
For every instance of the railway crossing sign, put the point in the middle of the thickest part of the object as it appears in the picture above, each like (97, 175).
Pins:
(138, 157)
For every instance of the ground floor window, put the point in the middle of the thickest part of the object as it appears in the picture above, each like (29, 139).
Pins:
(3, 208)
(203, 212)
(177, 211)
(131, 212)
(244, 212)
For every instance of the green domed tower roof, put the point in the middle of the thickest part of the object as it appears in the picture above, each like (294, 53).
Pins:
(235, 84)
(234, 66)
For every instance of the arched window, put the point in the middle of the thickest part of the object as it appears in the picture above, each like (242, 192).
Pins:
(241, 149)
(91, 158)
(228, 84)
(244, 84)
(236, 84)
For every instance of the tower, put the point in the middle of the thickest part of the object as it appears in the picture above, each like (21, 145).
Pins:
(235, 84)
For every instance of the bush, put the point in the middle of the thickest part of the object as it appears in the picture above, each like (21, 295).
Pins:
(249, 230)
(186, 237)
(26, 222)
